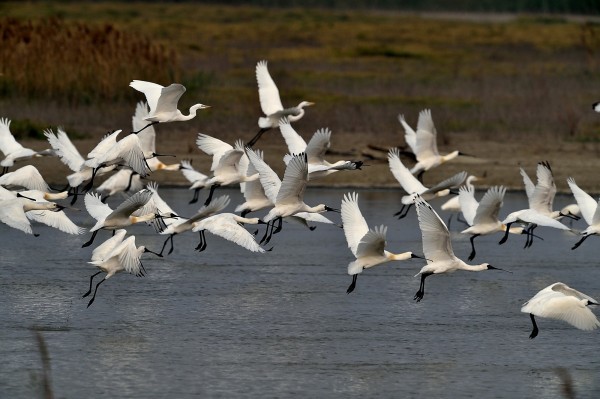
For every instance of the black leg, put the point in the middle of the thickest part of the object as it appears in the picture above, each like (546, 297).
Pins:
(87, 244)
(201, 241)
(89, 186)
(535, 331)
(279, 225)
(530, 235)
(472, 255)
(204, 242)
(196, 195)
(353, 284)
(421, 293)
(505, 237)
(74, 191)
(262, 240)
(94, 297)
(255, 138)
(210, 195)
(400, 212)
(130, 181)
(148, 125)
(245, 212)
(172, 246)
(407, 208)
(449, 220)
(90, 290)
(578, 243)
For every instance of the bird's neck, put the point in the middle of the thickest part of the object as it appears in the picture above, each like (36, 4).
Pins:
(472, 268)
(144, 218)
(449, 157)
(300, 114)
(402, 256)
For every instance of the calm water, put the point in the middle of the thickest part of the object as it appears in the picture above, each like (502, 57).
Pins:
(229, 323)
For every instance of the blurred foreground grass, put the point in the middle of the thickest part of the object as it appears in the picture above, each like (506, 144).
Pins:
(70, 64)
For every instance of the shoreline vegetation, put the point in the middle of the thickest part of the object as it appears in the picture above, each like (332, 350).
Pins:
(512, 91)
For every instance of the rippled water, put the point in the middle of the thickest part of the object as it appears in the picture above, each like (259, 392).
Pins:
(229, 323)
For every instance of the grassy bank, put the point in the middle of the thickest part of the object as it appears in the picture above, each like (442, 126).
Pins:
(526, 78)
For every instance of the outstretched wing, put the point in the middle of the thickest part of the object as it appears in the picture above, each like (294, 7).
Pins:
(294, 181)
(426, 137)
(8, 143)
(65, 149)
(435, 235)
(152, 91)
(224, 226)
(268, 178)
(468, 203)
(373, 243)
(293, 140)
(490, 205)
(409, 183)
(586, 203)
(354, 224)
(268, 93)
(169, 97)
(410, 136)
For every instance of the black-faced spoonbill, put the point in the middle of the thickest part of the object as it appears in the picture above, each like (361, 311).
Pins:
(437, 247)
(367, 245)
(561, 302)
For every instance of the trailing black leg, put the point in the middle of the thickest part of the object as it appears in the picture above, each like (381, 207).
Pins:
(472, 255)
(256, 137)
(148, 125)
(130, 180)
(87, 244)
(95, 290)
(505, 237)
(535, 330)
(353, 284)
(91, 278)
(210, 194)
(421, 293)
(196, 195)
(578, 243)
(269, 223)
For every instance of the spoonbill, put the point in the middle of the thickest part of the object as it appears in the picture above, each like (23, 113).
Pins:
(116, 255)
(198, 179)
(561, 302)
(412, 186)
(423, 142)
(163, 102)
(229, 164)
(12, 150)
(367, 245)
(109, 219)
(315, 151)
(229, 227)
(589, 210)
(270, 103)
(453, 204)
(27, 177)
(287, 195)
(437, 247)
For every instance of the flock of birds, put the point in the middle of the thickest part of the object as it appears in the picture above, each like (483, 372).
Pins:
(26, 197)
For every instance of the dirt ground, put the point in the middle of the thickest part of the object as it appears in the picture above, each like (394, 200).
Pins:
(498, 162)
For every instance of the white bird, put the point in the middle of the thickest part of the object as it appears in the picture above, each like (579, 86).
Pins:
(453, 204)
(163, 102)
(122, 181)
(254, 193)
(116, 255)
(437, 247)
(27, 177)
(70, 156)
(181, 224)
(17, 209)
(367, 245)
(229, 164)
(227, 226)
(596, 106)
(122, 216)
(412, 185)
(589, 210)
(270, 103)
(12, 150)
(561, 302)
(315, 151)
(482, 217)
(423, 142)
(198, 179)
(148, 140)
(287, 195)
(128, 151)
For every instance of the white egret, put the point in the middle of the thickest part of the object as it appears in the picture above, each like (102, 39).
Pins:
(163, 102)
(589, 210)
(12, 150)
(412, 186)
(116, 255)
(367, 245)
(437, 247)
(228, 226)
(270, 103)
(561, 302)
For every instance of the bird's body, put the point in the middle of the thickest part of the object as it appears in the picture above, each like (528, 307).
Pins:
(270, 103)
(423, 143)
(437, 247)
(412, 186)
(561, 302)
(227, 226)
(589, 210)
(163, 102)
(367, 245)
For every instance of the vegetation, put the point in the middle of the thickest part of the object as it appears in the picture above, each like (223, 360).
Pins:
(69, 64)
